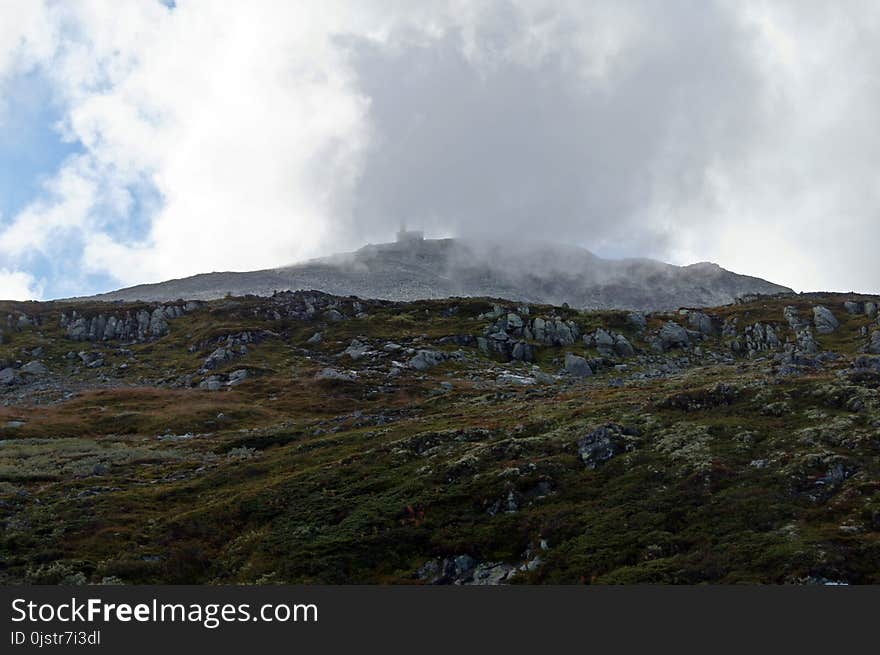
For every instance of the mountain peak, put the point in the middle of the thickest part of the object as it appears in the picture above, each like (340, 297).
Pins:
(413, 268)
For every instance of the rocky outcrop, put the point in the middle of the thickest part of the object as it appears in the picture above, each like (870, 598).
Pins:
(132, 326)
(509, 334)
(802, 330)
(760, 338)
(552, 331)
(609, 344)
(859, 308)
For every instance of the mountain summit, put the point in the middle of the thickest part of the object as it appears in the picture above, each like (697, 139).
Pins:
(414, 268)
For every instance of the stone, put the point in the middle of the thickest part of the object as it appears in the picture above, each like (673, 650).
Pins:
(623, 347)
(700, 322)
(9, 376)
(513, 378)
(854, 307)
(315, 338)
(158, 324)
(492, 573)
(824, 320)
(540, 376)
(334, 315)
(638, 321)
(334, 374)
(35, 368)
(522, 352)
(672, 335)
(577, 366)
(356, 350)
(603, 444)
(237, 377)
(213, 383)
(870, 309)
(425, 359)
(874, 344)
(218, 358)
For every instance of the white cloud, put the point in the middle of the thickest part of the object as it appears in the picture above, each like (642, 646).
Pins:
(737, 132)
(19, 285)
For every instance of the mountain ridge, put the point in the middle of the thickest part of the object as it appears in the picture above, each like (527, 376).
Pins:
(416, 269)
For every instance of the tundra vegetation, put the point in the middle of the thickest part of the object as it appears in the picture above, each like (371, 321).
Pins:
(309, 438)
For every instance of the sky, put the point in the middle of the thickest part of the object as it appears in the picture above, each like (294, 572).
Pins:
(142, 141)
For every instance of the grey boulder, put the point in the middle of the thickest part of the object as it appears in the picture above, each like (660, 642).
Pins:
(577, 366)
(425, 359)
(824, 320)
(9, 376)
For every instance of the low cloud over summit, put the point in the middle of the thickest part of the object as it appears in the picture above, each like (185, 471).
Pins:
(200, 137)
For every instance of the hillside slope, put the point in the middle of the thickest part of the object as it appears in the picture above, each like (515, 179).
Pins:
(308, 438)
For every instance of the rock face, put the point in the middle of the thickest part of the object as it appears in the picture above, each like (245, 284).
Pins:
(825, 321)
(528, 272)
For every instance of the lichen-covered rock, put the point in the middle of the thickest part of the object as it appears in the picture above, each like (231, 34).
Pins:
(605, 443)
